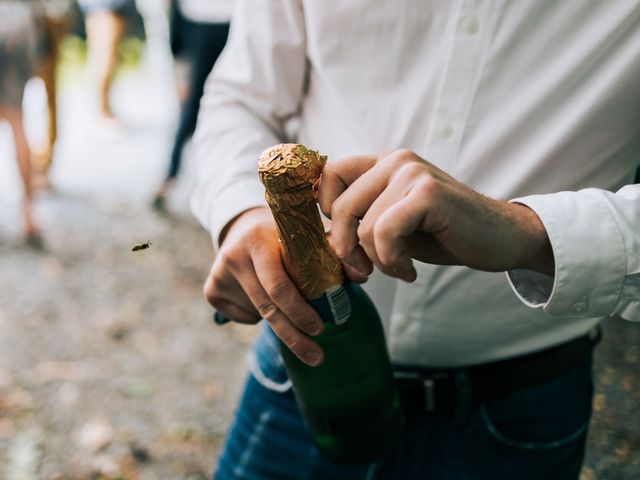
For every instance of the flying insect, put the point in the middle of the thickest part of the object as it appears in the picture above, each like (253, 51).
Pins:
(142, 246)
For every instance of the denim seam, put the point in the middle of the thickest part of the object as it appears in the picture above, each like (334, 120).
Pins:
(258, 430)
(528, 445)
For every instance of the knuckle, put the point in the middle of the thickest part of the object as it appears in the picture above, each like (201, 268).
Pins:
(365, 231)
(208, 295)
(427, 186)
(217, 277)
(230, 259)
(382, 239)
(210, 290)
(259, 231)
(340, 252)
(267, 309)
(404, 153)
(329, 170)
(278, 290)
(292, 341)
(399, 157)
(411, 170)
(337, 207)
(382, 229)
(339, 248)
(327, 203)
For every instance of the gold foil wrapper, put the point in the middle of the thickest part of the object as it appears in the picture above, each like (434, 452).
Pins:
(289, 172)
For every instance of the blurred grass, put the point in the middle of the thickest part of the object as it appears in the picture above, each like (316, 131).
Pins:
(73, 58)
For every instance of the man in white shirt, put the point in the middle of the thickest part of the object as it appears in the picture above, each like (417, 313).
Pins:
(520, 101)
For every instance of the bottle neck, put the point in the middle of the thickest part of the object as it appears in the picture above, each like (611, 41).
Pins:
(308, 257)
(288, 172)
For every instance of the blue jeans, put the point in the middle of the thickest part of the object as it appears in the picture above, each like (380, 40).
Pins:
(537, 433)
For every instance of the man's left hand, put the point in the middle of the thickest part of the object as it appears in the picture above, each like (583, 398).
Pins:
(395, 207)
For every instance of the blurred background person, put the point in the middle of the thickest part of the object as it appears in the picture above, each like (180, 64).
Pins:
(105, 23)
(20, 51)
(58, 19)
(198, 34)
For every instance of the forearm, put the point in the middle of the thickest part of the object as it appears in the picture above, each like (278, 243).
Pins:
(534, 247)
(227, 144)
(255, 87)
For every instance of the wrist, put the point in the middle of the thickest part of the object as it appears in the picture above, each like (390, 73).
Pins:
(536, 251)
(246, 215)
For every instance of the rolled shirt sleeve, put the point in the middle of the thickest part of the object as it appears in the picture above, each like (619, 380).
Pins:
(255, 87)
(595, 237)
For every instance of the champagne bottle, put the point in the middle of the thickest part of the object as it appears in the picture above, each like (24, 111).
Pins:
(349, 402)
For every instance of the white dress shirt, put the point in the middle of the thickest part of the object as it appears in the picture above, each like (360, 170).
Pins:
(207, 11)
(538, 101)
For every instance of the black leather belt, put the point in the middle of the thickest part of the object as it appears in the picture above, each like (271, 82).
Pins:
(435, 390)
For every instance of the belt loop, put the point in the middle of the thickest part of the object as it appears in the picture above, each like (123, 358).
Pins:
(463, 395)
(429, 394)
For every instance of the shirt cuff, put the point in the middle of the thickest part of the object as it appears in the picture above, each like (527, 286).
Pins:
(589, 254)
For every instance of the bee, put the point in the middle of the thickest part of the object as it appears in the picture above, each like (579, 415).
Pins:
(142, 246)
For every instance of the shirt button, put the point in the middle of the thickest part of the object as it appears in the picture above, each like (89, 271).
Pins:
(579, 307)
(470, 26)
(445, 131)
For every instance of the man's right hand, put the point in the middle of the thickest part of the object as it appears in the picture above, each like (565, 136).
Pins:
(248, 281)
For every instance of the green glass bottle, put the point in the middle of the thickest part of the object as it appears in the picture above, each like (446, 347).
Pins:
(350, 402)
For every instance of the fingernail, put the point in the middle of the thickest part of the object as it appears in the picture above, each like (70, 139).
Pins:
(312, 358)
(362, 272)
(361, 267)
(314, 327)
(354, 268)
(411, 276)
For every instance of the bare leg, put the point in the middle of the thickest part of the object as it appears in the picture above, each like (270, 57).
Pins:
(104, 31)
(56, 29)
(23, 157)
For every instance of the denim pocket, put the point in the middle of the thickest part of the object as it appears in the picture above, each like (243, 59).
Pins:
(545, 416)
(265, 361)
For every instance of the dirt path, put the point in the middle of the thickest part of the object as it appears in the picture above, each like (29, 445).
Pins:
(109, 360)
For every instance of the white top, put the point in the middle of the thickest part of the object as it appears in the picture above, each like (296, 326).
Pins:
(207, 11)
(516, 99)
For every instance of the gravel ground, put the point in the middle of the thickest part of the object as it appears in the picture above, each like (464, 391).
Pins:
(613, 450)
(108, 356)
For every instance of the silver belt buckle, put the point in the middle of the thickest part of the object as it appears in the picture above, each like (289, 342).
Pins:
(429, 394)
